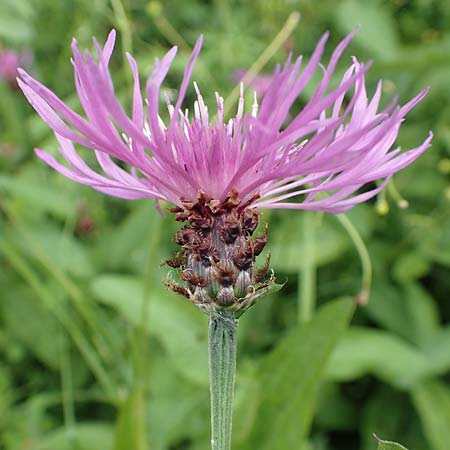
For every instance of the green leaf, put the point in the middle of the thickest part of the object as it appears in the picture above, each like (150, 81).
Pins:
(130, 237)
(432, 401)
(178, 408)
(38, 195)
(387, 445)
(334, 411)
(46, 346)
(130, 427)
(375, 419)
(380, 353)
(289, 378)
(85, 436)
(62, 249)
(247, 397)
(439, 249)
(180, 327)
(436, 349)
(409, 311)
(410, 266)
(422, 312)
(365, 351)
(287, 244)
(387, 308)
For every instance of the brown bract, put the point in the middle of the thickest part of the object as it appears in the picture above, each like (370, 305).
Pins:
(218, 251)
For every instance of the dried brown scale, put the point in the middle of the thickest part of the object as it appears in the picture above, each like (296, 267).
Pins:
(176, 262)
(250, 221)
(178, 289)
(198, 222)
(260, 242)
(261, 273)
(230, 229)
(266, 283)
(243, 261)
(243, 256)
(218, 254)
(192, 278)
(185, 236)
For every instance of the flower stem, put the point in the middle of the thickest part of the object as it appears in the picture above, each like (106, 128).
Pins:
(363, 253)
(291, 22)
(307, 270)
(222, 366)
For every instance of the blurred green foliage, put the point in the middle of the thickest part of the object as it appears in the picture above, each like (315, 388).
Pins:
(91, 341)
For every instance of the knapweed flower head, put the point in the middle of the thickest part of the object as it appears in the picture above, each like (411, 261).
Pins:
(10, 61)
(218, 174)
(260, 83)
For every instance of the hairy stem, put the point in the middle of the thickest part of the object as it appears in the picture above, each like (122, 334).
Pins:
(222, 366)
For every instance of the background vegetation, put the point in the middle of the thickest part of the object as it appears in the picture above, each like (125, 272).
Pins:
(82, 361)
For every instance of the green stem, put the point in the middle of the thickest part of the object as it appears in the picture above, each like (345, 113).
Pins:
(307, 270)
(171, 34)
(291, 22)
(67, 389)
(363, 253)
(124, 26)
(123, 23)
(395, 194)
(222, 366)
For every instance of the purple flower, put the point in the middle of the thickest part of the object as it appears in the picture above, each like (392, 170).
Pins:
(260, 83)
(10, 61)
(336, 144)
